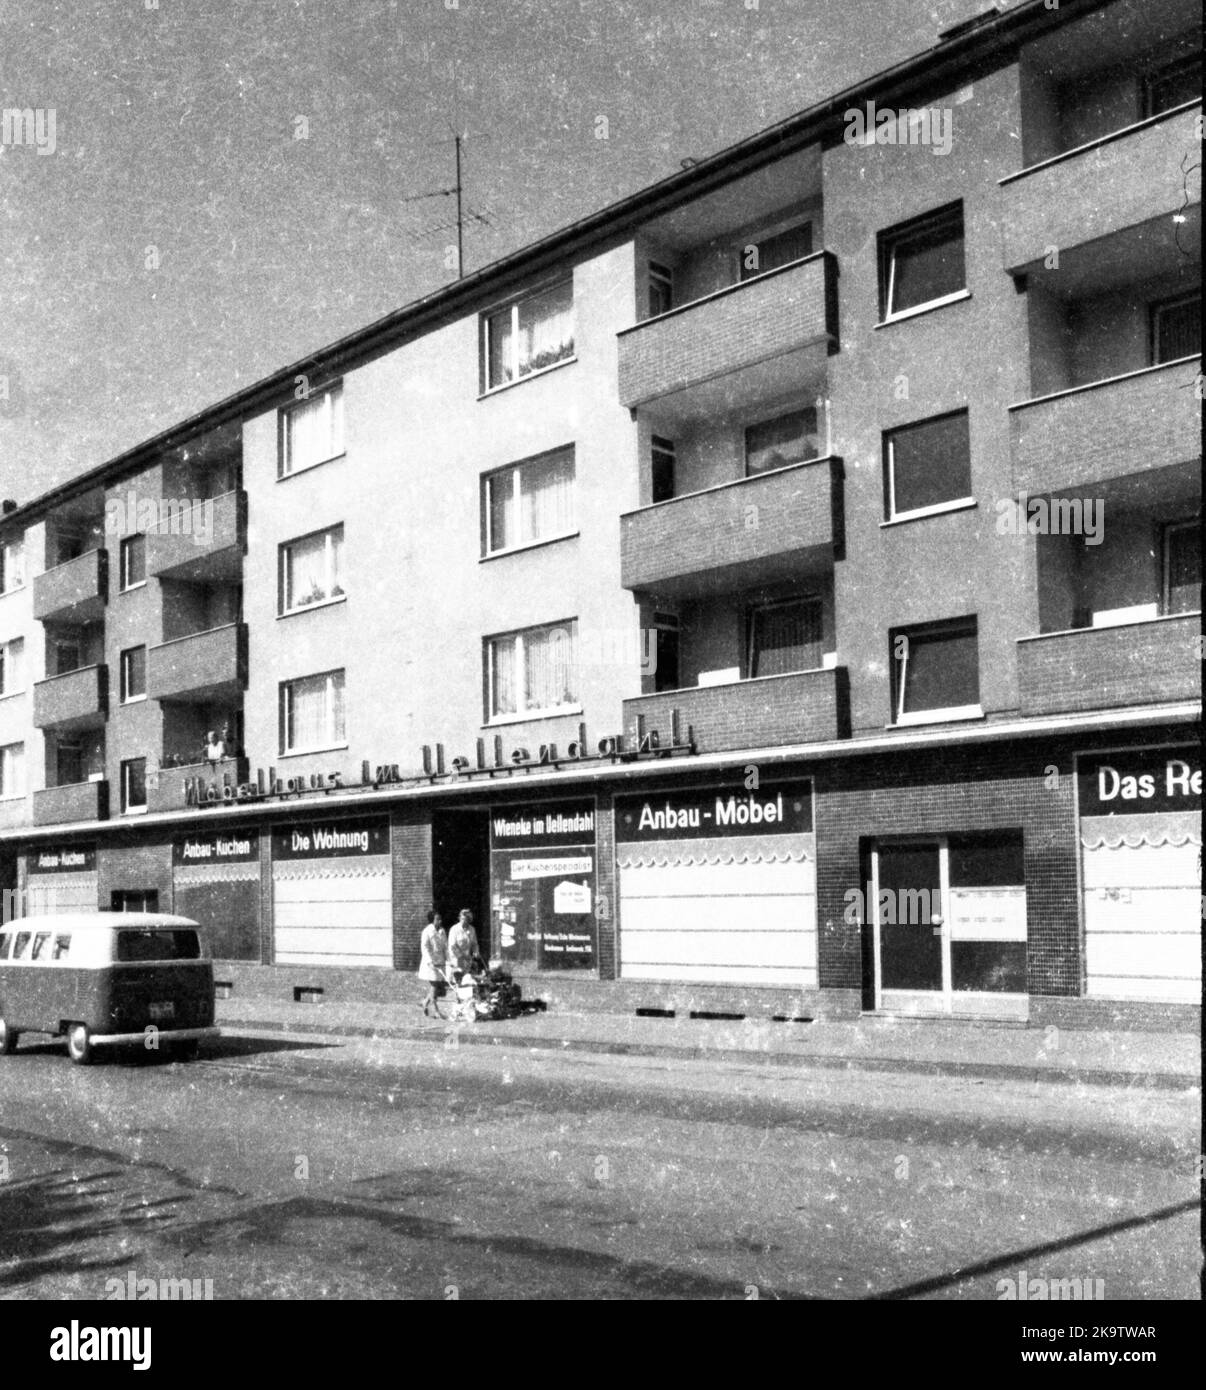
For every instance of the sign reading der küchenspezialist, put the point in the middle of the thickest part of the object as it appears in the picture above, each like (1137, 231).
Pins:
(1140, 779)
(696, 815)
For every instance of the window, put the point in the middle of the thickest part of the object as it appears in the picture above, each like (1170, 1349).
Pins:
(20, 944)
(68, 544)
(777, 443)
(133, 562)
(784, 636)
(936, 671)
(927, 466)
(134, 900)
(69, 763)
(12, 770)
(6, 944)
(67, 656)
(666, 675)
(529, 335)
(661, 289)
(1176, 328)
(12, 666)
(312, 430)
(662, 464)
(312, 713)
(41, 941)
(134, 785)
(529, 502)
(311, 570)
(533, 672)
(778, 249)
(1173, 85)
(12, 565)
(62, 948)
(134, 674)
(1182, 563)
(136, 945)
(921, 262)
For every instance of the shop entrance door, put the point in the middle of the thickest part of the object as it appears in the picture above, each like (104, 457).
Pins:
(460, 870)
(912, 947)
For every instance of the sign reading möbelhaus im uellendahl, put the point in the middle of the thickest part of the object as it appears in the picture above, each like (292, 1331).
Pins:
(637, 746)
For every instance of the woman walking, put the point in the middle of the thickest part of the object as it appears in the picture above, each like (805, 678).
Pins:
(433, 962)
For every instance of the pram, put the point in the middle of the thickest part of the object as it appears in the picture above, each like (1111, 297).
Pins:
(482, 993)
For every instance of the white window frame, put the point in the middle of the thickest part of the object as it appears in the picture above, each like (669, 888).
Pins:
(13, 558)
(284, 581)
(285, 713)
(567, 625)
(12, 755)
(894, 237)
(513, 309)
(126, 697)
(514, 471)
(126, 808)
(947, 712)
(124, 552)
(935, 508)
(332, 396)
(7, 664)
(661, 275)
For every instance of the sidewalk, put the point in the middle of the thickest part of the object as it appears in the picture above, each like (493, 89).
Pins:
(935, 1048)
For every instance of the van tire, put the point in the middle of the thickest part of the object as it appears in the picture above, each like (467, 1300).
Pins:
(187, 1051)
(8, 1039)
(79, 1044)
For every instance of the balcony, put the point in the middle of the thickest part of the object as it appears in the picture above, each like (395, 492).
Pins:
(76, 700)
(177, 787)
(1100, 188)
(804, 707)
(73, 592)
(731, 348)
(202, 543)
(203, 667)
(753, 530)
(1107, 429)
(80, 801)
(1145, 663)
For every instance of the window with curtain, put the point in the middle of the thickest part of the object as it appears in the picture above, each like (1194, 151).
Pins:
(312, 430)
(936, 670)
(784, 637)
(766, 253)
(785, 440)
(534, 671)
(922, 262)
(1182, 567)
(529, 335)
(12, 565)
(530, 502)
(1176, 328)
(312, 712)
(311, 570)
(12, 770)
(12, 666)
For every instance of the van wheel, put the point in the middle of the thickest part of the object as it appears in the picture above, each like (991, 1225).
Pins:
(188, 1050)
(8, 1039)
(79, 1044)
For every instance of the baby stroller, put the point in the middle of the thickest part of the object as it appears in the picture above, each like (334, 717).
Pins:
(463, 997)
(482, 993)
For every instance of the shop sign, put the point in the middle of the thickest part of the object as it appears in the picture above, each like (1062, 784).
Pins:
(1136, 780)
(231, 847)
(550, 868)
(695, 814)
(64, 859)
(331, 839)
(547, 823)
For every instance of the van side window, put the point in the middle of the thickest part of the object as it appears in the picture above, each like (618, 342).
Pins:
(39, 946)
(6, 942)
(62, 944)
(22, 943)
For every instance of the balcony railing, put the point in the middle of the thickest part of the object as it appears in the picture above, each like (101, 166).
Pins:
(1089, 192)
(74, 591)
(742, 327)
(174, 788)
(79, 801)
(75, 700)
(803, 707)
(791, 512)
(1155, 662)
(1107, 429)
(203, 541)
(200, 667)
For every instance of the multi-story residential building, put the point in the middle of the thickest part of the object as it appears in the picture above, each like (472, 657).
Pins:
(778, 592)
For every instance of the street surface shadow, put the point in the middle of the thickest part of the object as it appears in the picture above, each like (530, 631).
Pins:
(44, 1220)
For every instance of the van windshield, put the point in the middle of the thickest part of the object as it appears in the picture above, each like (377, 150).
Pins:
(158, 945)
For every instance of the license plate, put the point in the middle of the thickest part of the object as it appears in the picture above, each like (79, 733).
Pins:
(161, 1011)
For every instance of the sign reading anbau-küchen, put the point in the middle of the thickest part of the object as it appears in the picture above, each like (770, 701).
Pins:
(695, 814)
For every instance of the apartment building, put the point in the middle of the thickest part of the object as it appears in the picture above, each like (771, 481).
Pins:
(777, 593)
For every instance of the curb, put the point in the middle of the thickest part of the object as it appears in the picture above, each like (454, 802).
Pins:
(1090, 1076)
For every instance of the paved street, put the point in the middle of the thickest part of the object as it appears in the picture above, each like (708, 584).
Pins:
(322, 1167)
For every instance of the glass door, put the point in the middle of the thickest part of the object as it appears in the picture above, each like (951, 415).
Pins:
(912, 948)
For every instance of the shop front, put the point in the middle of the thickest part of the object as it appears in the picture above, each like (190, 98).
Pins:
(332, 900)
(61, 878)
(543, 889)
(216, 882)
(718, 886)
(1140, 822)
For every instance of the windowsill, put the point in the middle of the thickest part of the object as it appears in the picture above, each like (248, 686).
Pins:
(11, 694)
(134, 700)
(309, 752)
(129, 588)
(531, 716)
(12, 796)
(312, 607)
(528, 545)
(925, 308)
(531, 376)
(938, 716)
(135, 811)
(306, 467)
(962, 504)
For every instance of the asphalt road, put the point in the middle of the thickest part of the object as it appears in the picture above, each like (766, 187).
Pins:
(284, 1168)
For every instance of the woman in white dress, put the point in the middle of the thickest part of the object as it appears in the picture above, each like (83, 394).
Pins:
(433, 963)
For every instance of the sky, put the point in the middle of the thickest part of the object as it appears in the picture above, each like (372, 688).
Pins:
(235, 183)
